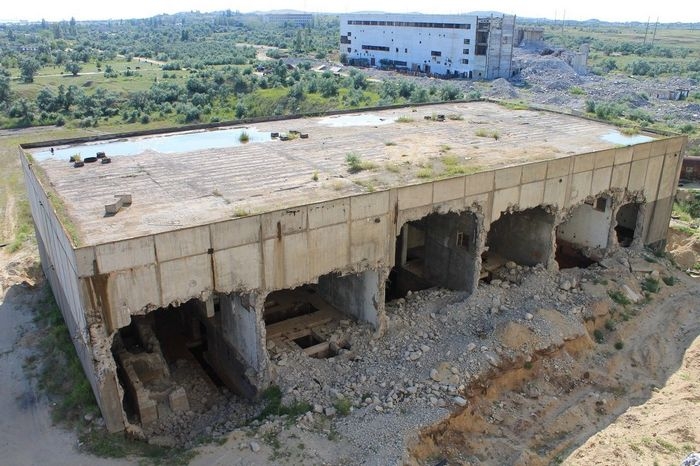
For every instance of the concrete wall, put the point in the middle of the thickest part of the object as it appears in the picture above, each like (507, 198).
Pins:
(447, 263)
(59, 263)
(359, 295)
(523, 237)
(587, 226)
(288, 248)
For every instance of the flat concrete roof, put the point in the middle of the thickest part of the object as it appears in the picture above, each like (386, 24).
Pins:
(190, 186)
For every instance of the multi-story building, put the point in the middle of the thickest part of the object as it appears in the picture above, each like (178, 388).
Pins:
(467, 46)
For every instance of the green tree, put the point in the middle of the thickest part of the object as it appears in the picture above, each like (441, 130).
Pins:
(4, 87)
(28, 68)
(73, 68)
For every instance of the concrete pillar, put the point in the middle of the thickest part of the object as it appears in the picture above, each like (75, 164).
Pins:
(360, 295)
(236, 343)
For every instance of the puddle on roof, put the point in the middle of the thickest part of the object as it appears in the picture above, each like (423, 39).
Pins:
(618, 138)
(166, 144)
(340, 121)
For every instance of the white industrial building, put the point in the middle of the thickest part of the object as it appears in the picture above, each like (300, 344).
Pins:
(467, 46)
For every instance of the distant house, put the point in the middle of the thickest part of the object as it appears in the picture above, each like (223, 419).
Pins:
(292, 19)
(467, 46)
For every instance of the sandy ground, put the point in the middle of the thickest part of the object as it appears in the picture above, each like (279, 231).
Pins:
(27, 436)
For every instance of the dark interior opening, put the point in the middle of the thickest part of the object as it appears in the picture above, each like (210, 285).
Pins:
(162, 354)
(437, 250)
(307, 341)
(523, 237)
(626, 224)
(570, 256)
(287, 304)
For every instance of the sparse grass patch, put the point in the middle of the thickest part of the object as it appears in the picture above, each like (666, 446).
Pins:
(369, 185)
(275, 407)
(356, 164)
(629, 130)
(598, 336)
(576, 90)
(619, 345)
(484, 133)
(404, 119)
(669, 280)
(314, 177)
(618, 297)
(610, 325)
(425, 172)
(343, 406)
(455, 117)
(241, 212)
(651, 285)
(393, 167)
(390, 143)
(244, 137)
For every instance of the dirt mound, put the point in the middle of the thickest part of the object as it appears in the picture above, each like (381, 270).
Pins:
(684, 248)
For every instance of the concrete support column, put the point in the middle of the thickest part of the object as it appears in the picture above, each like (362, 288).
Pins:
(360, 295)
(236, 338)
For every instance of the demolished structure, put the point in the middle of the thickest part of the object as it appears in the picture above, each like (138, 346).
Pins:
(227, 248)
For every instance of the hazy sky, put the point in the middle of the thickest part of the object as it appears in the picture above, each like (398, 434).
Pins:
(609, 10)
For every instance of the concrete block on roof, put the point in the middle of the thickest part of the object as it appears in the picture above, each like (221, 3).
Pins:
(329, 213)
(502, 200)
(184, 279)
(508, 177)
(233, 233)
(370, 205)
(531, 194)
(638, 173)
(328, 249)
(85, 261)
(238, 269)
(448, 190)
(368, 240)
(125, 254)
(479, 183)
(601, 180)
(580, 187)
(604, 158)
(641, 151)
(130, 291)
(651, 183)
(620, 176)
(558, 167)
(182, 243)
(584, 162)
(534, 172)
(623, 155)
(415, 196)
(283, 222)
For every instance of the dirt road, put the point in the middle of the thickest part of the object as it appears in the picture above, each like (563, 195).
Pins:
(27, 436)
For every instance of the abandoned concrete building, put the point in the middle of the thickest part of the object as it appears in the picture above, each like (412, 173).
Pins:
(205, 245)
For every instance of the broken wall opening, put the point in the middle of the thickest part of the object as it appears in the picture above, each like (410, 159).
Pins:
(626, 223)
(583, 236)
(524, 237)
(437, 250)
(306, 318)
(161, 361)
